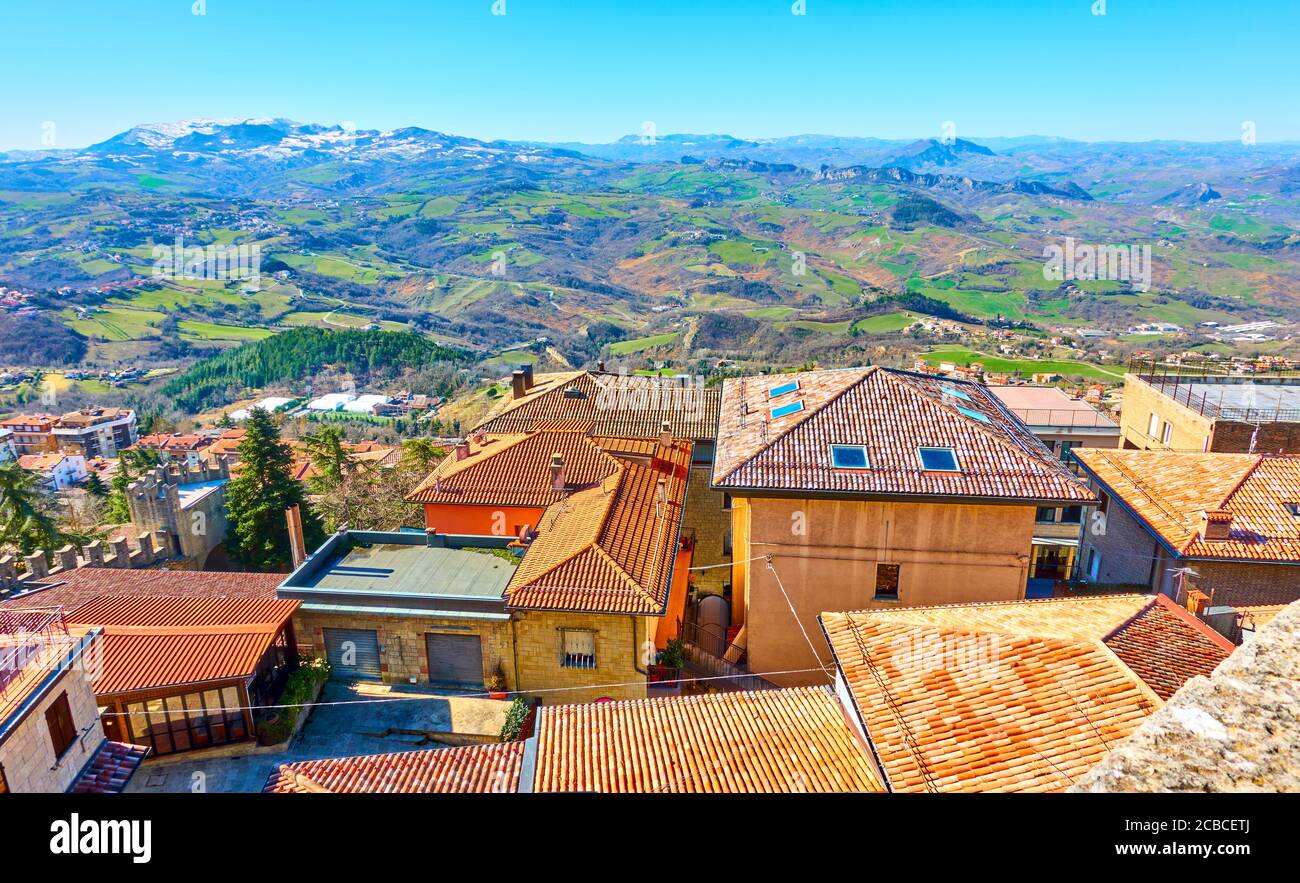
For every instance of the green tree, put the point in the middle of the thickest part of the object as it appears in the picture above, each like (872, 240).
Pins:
(256, 498)
(24, 519)
(421, 455)
(116, 509)
(95, 486)
(330, 458)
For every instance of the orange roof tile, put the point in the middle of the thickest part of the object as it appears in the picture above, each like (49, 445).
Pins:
(767, 741)
(622, 405)
(610, 548)
(892, 413)
(1169, 492)
(1165, 646)
(469, 769)
(515, 470)
(1015, 696)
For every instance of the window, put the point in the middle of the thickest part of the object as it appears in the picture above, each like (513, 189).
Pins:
(850, 457)
(783, 389)
(1153, 425)
(955, 393)
(1293, 508)
(887, 582)
(1094, 565)
(1166, 434)
(63, 732)
(1103, 501)
(726, 542)
(975, 415)
(726, 502)
(1072, 515)
(783, 410)
(938, 459)
(1046, 515)
(579, 648)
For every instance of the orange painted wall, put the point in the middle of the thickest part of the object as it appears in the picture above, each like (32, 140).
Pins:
(667, 627)
(456, 518)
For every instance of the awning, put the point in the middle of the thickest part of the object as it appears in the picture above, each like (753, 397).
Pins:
(1054, 541)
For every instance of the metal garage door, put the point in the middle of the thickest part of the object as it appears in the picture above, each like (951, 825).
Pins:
(353, 653)
(455, 660)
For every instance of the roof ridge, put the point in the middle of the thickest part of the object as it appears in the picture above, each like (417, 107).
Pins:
(867, 371)
(1010, 602)
(1203, 628)
(608, 499)
(1223, 503)
(621, 571)
(1129, 673)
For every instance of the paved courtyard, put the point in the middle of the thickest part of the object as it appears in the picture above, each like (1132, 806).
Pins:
(401, 723)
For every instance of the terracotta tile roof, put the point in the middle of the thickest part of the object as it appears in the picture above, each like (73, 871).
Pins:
(1165, 646)
(1015, 699)
(43, 420)
(469, 769)
(1169, 492)
(151, 641)
(892, 413)
(87, 417)
(78, 587)
(621, 405)
(41, 462)
(515, 470)
(610, 548)
(766, 741)
(1261, 614)
(173, 442)
(110, 769)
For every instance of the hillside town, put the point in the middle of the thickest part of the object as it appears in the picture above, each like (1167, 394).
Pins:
(621, 583)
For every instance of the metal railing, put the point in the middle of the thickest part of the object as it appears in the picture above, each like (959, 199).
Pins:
(1075, 418)
(1177, 382)
(24, 635)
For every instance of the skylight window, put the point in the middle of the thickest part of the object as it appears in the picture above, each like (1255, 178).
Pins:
(850, 457)
(955, 393)
(784, 410)
(1293, 508)
(783, 389)
(975, 415)
(938, 459)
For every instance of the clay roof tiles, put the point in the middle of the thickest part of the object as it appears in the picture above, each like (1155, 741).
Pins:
(1169, 491)
(893, 414)
(766, 741)
(469, 769)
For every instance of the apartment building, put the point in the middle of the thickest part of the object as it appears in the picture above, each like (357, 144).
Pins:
(31, 433)
(871, 487)
(58, 470)
(96, 432)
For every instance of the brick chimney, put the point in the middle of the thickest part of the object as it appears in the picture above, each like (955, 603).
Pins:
(528, 376)
(557, 473)
(1216, 524)
(665, 434)
(518, 384)
(297, 544)
(462, 450)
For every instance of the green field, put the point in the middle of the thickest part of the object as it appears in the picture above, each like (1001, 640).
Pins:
(192, 330)
(628, 347)
(1067, 368)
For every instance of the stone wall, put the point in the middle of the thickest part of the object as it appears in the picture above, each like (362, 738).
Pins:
(403, 653)
(620, 650)
(155, 505)
(704, 519)
(27, 755)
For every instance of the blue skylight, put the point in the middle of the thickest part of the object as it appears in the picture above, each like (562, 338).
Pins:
(955, 393)
(974, 415)
(783, 389)
(850, 457)
(790, 408)
(938, 459)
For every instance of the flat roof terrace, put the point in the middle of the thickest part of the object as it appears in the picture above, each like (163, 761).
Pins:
(405, 573)
(1266, 400)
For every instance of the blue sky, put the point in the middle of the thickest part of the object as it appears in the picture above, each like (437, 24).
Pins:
(593, 71)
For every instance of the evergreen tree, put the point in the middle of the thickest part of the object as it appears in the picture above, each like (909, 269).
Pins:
(24, 519)
(329, 457)
(258, 535)
(95, 486)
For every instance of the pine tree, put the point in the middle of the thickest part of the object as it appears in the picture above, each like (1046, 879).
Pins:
(24, 517)
(95, 486)
(258, 535)
(329, 457)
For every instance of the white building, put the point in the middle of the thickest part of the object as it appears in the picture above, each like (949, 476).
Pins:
(60, 470)
(335, 401)
(366, 404)
(7, 452)
(270, 405)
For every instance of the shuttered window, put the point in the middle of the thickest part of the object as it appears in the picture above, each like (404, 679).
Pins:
(578, 648)
(63, 732)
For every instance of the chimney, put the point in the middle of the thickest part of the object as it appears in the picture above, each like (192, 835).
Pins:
(1216, 524)
(528, 376)
(600, 367)
(557, 473)
(297, 544)
(518, 385)
(462, 450)
(433, 539)
(665, 434)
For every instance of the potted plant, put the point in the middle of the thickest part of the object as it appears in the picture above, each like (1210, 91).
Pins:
(496, 683)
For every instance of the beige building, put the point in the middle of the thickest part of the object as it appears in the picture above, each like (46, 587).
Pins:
(51, 739)
(1170, 408)
(867, 487)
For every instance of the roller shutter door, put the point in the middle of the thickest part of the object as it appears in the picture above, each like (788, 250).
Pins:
(352, 653)
(455, 660)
